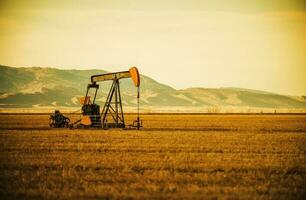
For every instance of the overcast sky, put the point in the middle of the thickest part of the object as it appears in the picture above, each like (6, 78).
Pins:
(255, 44)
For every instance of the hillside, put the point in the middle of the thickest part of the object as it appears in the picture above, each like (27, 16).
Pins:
(38, 87)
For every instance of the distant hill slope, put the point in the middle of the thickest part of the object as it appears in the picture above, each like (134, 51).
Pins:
(36, 86)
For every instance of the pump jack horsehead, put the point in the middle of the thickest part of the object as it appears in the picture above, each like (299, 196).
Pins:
(112, 113)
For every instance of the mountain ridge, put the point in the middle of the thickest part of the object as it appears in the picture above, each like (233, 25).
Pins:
(27, 87)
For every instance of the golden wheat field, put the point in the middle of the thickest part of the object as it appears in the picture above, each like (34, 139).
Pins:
(172, 157)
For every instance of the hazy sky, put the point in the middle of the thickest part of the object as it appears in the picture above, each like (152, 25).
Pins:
(256, 44)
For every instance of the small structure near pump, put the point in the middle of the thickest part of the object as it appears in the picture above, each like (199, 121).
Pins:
(58, 120)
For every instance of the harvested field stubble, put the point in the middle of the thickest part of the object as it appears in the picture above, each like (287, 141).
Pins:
(174, 156)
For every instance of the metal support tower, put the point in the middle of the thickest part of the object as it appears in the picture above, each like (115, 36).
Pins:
(113, 108)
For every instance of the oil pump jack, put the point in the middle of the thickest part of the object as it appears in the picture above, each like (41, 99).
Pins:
(112, 113)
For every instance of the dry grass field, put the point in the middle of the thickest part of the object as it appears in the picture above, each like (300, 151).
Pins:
(172, 157)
